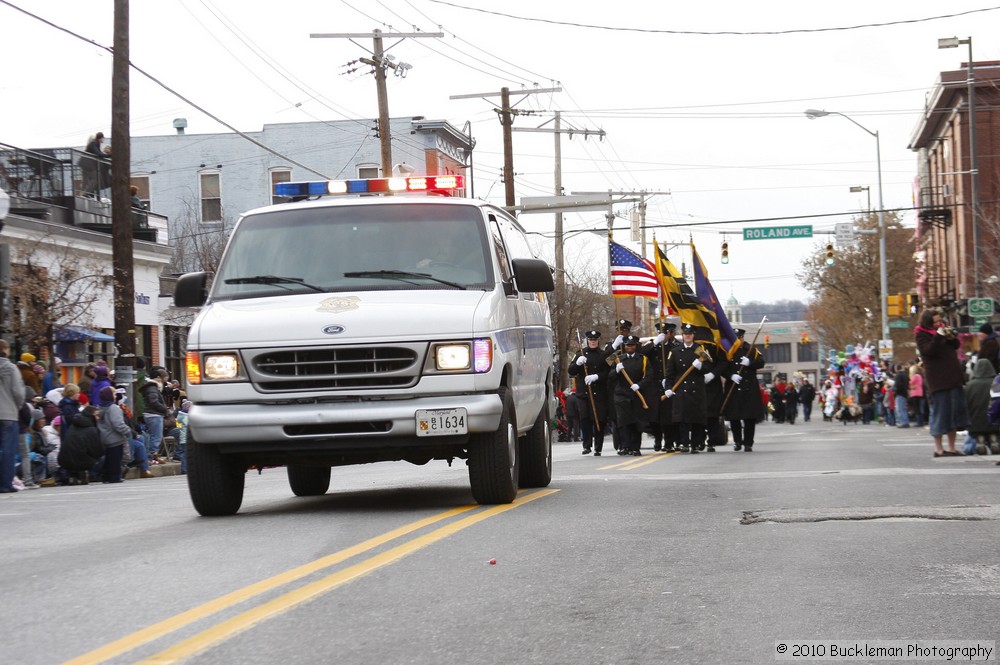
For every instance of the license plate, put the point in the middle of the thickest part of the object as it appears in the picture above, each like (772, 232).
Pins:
(441, 422)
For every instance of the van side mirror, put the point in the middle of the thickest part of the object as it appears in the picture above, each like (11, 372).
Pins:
(191, 290)
(532, 275)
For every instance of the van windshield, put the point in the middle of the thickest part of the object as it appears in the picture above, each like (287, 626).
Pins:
(355, 248)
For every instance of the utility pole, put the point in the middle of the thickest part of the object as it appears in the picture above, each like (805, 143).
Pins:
(506, 114)
(642, 194)
(380, 62)
(557, 131)
(121, 203)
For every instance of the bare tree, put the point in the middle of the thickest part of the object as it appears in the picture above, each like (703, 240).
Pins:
(52, 285)
(587, 305)
(198, 246)
(847, 306)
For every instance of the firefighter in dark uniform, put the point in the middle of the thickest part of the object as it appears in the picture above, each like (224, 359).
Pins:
(689, 410)
(632, 376)
(591, 375)
(745, 407)
(715, 428)
(661, 423)
(624, 328)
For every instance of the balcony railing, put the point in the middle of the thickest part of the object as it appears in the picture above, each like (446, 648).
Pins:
(935, 209)
(44, 182)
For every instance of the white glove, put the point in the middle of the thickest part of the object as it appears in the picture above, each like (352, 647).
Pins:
(659, 339)
(745, 361)
(618, 342)
(619, 367)
(669, 393)
(697, 363)
(581, 361)
(664, 384)
(736, 378)
(709, 377)
(590, 378)
(634, 387)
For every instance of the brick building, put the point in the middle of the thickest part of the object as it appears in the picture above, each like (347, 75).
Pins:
(946, 237)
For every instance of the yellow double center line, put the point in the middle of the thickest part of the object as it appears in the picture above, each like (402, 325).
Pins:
(636, 463)
(241, 622)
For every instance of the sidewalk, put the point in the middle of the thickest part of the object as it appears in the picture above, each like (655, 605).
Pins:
(158, 470)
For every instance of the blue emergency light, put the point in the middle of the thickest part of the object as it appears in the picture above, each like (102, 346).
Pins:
(432, 183)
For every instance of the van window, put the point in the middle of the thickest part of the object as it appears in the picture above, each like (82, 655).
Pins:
(353, 248)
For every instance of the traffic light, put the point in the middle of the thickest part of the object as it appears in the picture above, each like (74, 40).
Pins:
(912, 303)
(829, 254)
(725, 252)
(895, 305)
(767, 341)
(805, 338)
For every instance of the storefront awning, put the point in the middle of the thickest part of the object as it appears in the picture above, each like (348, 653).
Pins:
(77, 334)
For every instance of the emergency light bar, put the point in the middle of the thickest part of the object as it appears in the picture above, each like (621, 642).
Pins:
(431, 183)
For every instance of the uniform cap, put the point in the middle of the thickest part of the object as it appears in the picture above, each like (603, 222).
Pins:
(593, 334)
(739, 332)
(665, 327)
(624, 323)
(630, 339)
(687, 329)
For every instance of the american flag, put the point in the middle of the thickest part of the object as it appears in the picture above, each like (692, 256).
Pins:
(631, 275)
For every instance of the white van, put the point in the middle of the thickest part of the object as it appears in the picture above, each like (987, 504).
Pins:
(347, 330)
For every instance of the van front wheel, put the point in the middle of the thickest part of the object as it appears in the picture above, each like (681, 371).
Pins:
(215, 481)
(493, 458)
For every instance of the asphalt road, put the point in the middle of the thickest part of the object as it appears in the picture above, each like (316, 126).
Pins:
(824, 532)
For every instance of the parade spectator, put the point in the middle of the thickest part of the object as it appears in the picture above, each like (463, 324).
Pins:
(28, 376)
(53, 378)
(24, 418)
(11, 397)
(81, 447)
(866, 399)
(51, 437)
(807, 393)
(917, 401)
(977, 401)
(114, 434)
(155, 411)
(989, 346)
(69, 406)
(101, 381)
(938, 346)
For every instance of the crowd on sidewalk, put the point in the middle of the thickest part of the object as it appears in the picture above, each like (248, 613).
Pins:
(74, 434)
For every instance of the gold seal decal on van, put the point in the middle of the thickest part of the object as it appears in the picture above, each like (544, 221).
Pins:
(337, 305)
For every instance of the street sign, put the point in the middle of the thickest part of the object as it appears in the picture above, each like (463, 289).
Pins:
(899, 323)
(778, 232)
(844, 233)
(980, 320)
(885, 349)
(981, 307)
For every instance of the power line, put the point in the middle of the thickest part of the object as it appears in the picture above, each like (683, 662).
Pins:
(712, 33)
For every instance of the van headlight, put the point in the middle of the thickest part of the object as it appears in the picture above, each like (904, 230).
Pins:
(212, 367)
(476, 356)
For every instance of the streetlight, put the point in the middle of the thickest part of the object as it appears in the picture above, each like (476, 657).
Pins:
(857, 189)
(970, 82)
(812, 114)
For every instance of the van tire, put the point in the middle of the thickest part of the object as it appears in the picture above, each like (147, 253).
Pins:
(536, 453)
(215, 481)
(493, 458)
(308, 480)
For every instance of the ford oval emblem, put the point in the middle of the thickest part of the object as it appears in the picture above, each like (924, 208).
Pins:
(333, 330)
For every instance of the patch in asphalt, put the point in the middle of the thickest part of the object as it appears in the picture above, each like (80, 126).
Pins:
(794, 515)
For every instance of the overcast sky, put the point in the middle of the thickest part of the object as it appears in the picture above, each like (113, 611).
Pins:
(715, 119)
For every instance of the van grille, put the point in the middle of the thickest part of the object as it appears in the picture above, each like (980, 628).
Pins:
(335, 367)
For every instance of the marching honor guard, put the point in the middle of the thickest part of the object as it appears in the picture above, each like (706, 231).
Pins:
(624, 329)
(661, 423)
(632, 376)
(744, 407)
(715, 428)
(591, 375)
(684, 387)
